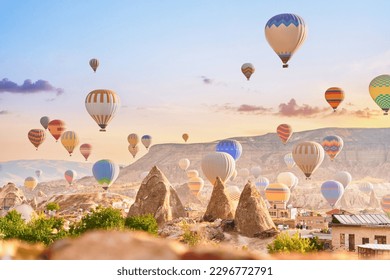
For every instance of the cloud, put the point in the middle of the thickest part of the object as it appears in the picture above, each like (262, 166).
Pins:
(292, 109)
(206, 80)
(365, 113)
(28, 87)
(243, 109)
(4, 112)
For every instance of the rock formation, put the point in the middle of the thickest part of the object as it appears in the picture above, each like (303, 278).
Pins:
(374, 202)
(220, 205)
(185, 195)
(252, 216)
(157, 197)
(11, 196)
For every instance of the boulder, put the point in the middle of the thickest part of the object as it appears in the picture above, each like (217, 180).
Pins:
(157, 197)
(220, 205)
(252, 216)
(11, 196)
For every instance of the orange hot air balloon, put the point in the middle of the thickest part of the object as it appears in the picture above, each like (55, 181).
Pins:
(85, 150)
(334, 96)
(284, 132)
(56, 128)
(185, 137)
(36, 137)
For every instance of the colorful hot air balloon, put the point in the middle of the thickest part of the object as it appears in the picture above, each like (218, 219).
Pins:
(332, 191)
(36, 137)
(38, 173)
(261, 184)
(105, 172)
(308, 156)
(285, 33)
(256, 171)
(286, 178)
(102, 105)
(195, 184)
(133, 150)
(332, 145)
(133, 139)
(244, 173)
(45, 122)
(277, 192)
(94, 63)
(185, 137)
(232, 147)
(385, 203)
(234, 193)
(69, 140)
(218, 164)
(56, 128)
(70, 176)
(192, 173)
(284, 132)
(146, 141)
(184, 163)
(334, 96)
(30, 183)
(380, 92)
(247, 69)
(85, 150)
(366, 187)
(289, 160)
(344, 178)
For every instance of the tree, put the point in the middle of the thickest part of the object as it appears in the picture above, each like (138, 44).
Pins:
(285, 243)
(53, 206)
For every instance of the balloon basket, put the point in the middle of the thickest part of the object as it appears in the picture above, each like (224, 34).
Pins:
(285, 65)
(103, 130)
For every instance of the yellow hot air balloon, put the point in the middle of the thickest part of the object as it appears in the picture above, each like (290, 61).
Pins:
(308, 156)
(277, 192)
(192, 173)
(30, 183)
(286, 178)
(133, 150)
(247, 69)
(133, 139)
(185, 137)
(218, 164)
(195, 184)
(380, 92)
(102, 105)
(94, 63)
(69, 140)
(285, 33)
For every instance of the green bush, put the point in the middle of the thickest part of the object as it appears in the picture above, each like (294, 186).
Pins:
(12, 225)
(146, 223)
(52, 206)
(284, 243)
(189, 237)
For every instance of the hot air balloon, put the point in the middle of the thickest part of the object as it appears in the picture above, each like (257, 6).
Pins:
(286, 178)
(380, 92)
(69, 140)
(277, 192)
(332, 191)
(185, 137)
(366, 187)
(344, 178)
(38, 173)
(56, 128)
(218, 164)
(234, 175)
(284, 132)
(332, 145)
(234, 193)
(261, 184)
(133, 139)
(334, 96)
(85, 150)
(184, 163)
(289, 160)
(247, 69)
(70, 176)
(308, 156)
(285, 33)
(36, 137)
(146, 141)
(45, 122)
(256, 171)
(195, 184)
(30, 183)
(232, 147)
(94, 63)
(102, 105)
(192, 173)
(133, 150)
(105, 172)
(385, 203)
(244, 173)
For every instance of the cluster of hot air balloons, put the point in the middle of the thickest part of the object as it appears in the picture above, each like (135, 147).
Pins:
(133, 140)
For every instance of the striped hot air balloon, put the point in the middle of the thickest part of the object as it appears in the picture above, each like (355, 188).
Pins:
(334, 96)
(133, 139)
(105, 172)
(195, 184)
(285, 33)
(308, 156)
(94, 63)
(332, 191)
(277, 192)
(185, 137)
(385, 203)
(69, 140)
(218, 164)
(133, 150)
(261, 183)
(284, 132)
(289, 160)
(146, 141)
(380, 92)
(30, 183)
(332, 145)
(85, 150)
(44, 121)
(247, 69)
(232, 147)
(36, 137)
(102, 105)
(70, 176)
(192, 173)
(56, 128)
(366, 187)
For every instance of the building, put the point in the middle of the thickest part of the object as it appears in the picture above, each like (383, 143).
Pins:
(310, 220)
(279, 210)
(374, 251)
(350, 231)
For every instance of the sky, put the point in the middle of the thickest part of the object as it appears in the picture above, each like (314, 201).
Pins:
(176, 66)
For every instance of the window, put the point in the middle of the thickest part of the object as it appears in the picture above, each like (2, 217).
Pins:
(365, 240)
(381, 239)
(342, 239)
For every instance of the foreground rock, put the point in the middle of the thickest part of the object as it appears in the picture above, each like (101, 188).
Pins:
(220, 205)
(157, 197)
(252, 217)
(11, 196)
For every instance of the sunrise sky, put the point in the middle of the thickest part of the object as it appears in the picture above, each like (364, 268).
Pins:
(176, 67)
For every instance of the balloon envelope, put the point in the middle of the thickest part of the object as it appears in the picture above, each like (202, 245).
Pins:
(233, 192)
(256, 171)
(247, 69)
(133, 139)
(85, 150)
(36, 137)
(232, 147)
(94, 63)
(105, 172)
(234, 175)
(332, 145)
(30, 183)
(146, 141)
(184, 163)
(38, 173)
(332, 191)
(192, 173)
(366, 187)
(284, 132)
(56, 128)
(185, 137)
(385, 203)
(244, 173)
(289, 160)
(133, 150)
(277, 192)
(344, 178)
(286, 178)
(70, 176)
(44, 122)
(69, 140)
(195, 184)
(334, 96)
(308, 156)
(218, 164)
(380, 92)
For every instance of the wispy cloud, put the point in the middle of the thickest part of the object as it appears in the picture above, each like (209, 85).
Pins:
(243, 109)
(28, 87)
(292, 109)
(366, 113)
(206, 80)
(4, 112)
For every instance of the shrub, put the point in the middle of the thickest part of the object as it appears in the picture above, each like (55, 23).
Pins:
(189, 237)
(52, 206)
(12, 225)
(145, 223)
(284, 243)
